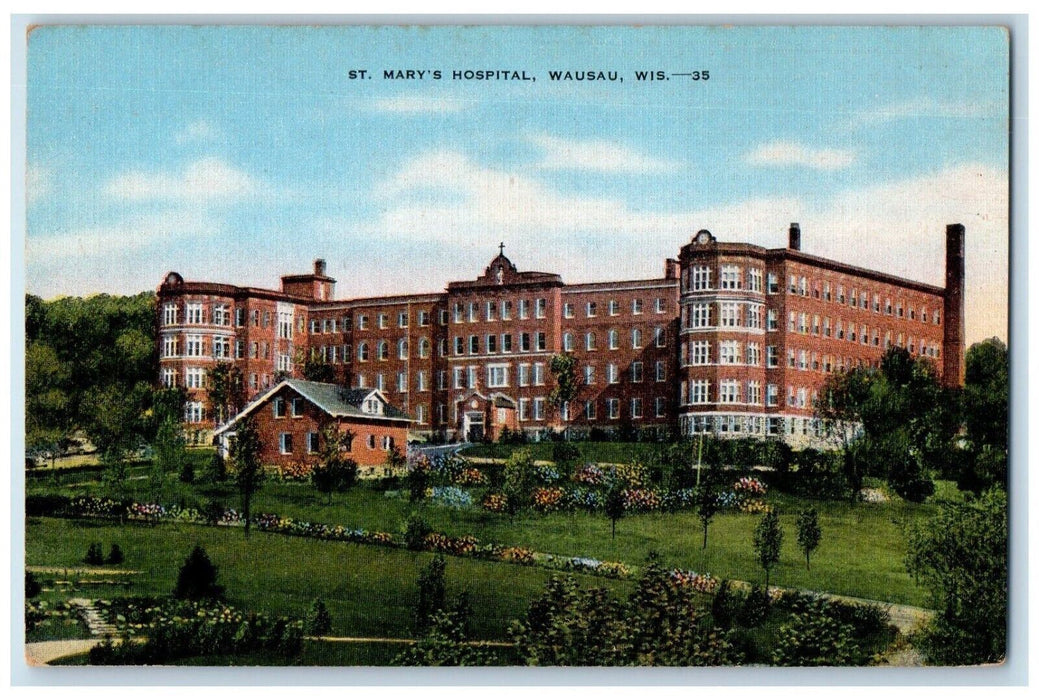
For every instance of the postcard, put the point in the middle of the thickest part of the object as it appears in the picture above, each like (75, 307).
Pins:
(352, 346)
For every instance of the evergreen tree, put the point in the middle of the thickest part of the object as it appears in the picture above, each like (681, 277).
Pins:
(197, 578)
(809, 534)
(768, 538)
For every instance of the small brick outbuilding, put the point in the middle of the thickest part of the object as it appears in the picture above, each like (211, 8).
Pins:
(291, 417)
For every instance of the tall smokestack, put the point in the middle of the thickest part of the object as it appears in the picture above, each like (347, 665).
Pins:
(319, 267)
(795, 236)
(953, 350)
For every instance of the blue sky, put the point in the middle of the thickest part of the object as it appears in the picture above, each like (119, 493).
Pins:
(241, 154)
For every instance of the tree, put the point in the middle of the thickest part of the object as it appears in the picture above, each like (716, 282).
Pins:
(517, 476)
(225, 387)
(809, 534)
(960, 554)
(614, 505)
(842, 400)
(334, 472)
(395, 459)
(768, 538)
(564, 370)
(985, 402)
(197, 578)
(245, 456)
(170, 453)
(432, 593)
(706, 499)
(317, 370)
(319, 621)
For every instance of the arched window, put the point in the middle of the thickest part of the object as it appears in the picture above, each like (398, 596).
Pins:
(423, 347)
(402, 349)
(636, 338)
(568, 342)
(612, 339)
(589, 341)
(384, 350)
(362, 353)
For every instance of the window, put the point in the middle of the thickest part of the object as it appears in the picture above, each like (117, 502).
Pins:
(506, 310)
(660, 404)
(459, 381)
(613, 408)
(541, 340)
(636, 371)
(589, 410)
(284, 325)
(194, 412)
(524, 342)
(701, 315)
(589, 375)
(362, 352)
(193, 312)
(701, 352)
(169, 315)
(636, 338)
(772, 356)
(589, 341)
(474, 345)
(382, 320)
(524, 409)
(387, 443)
(423, 318)
(169, 378)
(539, 409)
(313, 443)
(402, 349)
(590, 309)
(611, 374)
(660, 337)
(753, 318)
(636, 306)
(221, 347)
(489, 309)
(730, 277)
(636, 408)
(497, 376)
(315, 325)
(384, 350)
(615, 307)
(658, 306)
(539, 374)
(285, 443)
(729, 352)
(612, 339)
(773, 320)
(773, 283)
(194, 377)
(772, 395)
(402, 319)
(297, 407)
(568, 310)
(698, 391)
(421, 383)
(195, 346)
(457, 315)
(568, 342)
(492, 343)
(729, 314)
(701, 278)
(753, 354)
(524, 308)
(506, 342)
(524, 375)
(170, 346)
(539, 308)
(471, 372)
(661, 371)
(802, 287)
(423, 347)
(279, 407)
(754, 393)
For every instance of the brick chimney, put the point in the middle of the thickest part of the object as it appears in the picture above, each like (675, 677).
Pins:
(319, 267)
(795, 237)
(671, 269)
(953, 350)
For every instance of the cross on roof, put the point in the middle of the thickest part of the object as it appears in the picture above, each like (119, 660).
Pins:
(501, 248)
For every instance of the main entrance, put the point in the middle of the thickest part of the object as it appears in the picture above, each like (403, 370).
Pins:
(473, 427)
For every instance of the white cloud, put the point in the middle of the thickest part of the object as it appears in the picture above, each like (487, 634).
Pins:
(414, 104)
(596, 155)
(783, 153)
(132, 233)
(926, 107)
(197, 132)
(39, 182)
(898, 227)
(205, 180)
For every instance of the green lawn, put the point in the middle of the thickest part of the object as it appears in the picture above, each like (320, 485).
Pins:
(611, 452)
(369, 590)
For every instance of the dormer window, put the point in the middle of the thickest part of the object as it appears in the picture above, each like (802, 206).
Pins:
(372, 406)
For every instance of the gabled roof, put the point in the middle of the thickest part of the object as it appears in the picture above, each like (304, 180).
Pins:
(333, 399)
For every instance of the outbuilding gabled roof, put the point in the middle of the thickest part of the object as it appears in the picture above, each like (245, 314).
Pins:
(332, 399)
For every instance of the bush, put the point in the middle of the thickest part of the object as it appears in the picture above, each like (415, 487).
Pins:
(754, 608)
(95, 555)
(32, 586)
(319, 621)
(216, 470)
(813, 637)
(187, 472)
(565, 453)
(415, 530)
(46, 505)
(726, 605)
(197, 578)
(115, 555)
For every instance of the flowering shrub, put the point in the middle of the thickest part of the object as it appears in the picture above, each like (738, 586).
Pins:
(749, 486)
(633, 475)
(459, 546)
(517, 555)
(594, 566)
(547, 475)
(450, 496)
(548, 499)
(677, 499)
(470, 477)
(297, 471)
(868, 495)
(755, 505)
(145, 511)
(178, 629)
(584, 497)
(494, 502)
(590, 475)
(641, 500)
(701, 583)
(92, 506)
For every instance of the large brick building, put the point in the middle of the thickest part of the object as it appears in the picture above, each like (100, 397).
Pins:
(734, 339)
